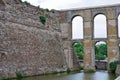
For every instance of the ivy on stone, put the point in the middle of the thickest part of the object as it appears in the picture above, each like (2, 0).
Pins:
(42, 19)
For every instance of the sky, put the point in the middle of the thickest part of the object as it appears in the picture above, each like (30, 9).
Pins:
(69, 4)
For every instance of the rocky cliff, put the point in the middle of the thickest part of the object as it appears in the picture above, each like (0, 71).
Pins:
(26, 44)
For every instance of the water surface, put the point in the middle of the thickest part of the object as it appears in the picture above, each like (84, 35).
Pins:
(98, 75)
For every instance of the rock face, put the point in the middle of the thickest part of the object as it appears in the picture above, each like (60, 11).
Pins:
(25, 43)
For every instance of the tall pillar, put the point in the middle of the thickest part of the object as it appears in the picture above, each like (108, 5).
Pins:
(113, 50)
(66, 30)
(89, 60)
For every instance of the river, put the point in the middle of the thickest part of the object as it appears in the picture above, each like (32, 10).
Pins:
(98, 75)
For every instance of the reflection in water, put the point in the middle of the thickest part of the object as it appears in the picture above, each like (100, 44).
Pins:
(99, 75)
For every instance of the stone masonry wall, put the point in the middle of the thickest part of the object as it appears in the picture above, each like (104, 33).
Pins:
(118, 70)
(26, 44)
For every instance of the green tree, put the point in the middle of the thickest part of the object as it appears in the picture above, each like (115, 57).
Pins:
(100, 56)
(103, 49)
(100, 51)
(78, 47)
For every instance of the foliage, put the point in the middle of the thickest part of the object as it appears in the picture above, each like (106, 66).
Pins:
(68, 70)
(52, 10)
(90, 71)
(27, 3)
(54, 72)
(113, 66)
(78, 47)
(47, 9)
(19, 75)
(81, 67)
(100, 56)
(5, 78)
(80, 55)
(61, 71)
(100, 51)
(42, 19)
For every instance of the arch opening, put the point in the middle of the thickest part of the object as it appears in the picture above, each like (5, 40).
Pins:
(119, 50)
(77, 27)
(101, 55)
(100, 27)
(78, 51)
(119, 26)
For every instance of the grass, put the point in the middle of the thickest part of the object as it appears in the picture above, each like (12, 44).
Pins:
(19, 75)
(90, 71)
(81, 67)
(68, 70)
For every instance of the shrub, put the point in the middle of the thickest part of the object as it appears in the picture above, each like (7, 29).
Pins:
(68, 70)
(19, 75)
(54, 72)
(81, 67)
(80, 55)
(42, 19)
(90, 71)
(47, 9)
(61, 71)
(5, 78)
(99, 56)
(113, 66)
(27, 3)
(52, 10)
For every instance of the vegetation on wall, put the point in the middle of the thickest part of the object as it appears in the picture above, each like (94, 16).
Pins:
(47, 9)
(113, 66)
(90, 71)
(27, 3)
(68, 70)
(42, 19)
(19, 75)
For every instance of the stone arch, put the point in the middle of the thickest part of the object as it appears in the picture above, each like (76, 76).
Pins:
(119, 49)
(101, 57)
(78, 58)
(98, 11)
(117, 12)
(103, 40)
(102, 13)
(77, 27)
(75, 15)
(97, 24)
(118, 25)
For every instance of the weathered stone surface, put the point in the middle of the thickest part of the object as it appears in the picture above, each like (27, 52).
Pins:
(118, 70)
(26, 44)
(27, 47)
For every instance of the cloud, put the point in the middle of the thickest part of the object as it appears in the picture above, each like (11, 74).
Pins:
(57, 4)
(67, 4)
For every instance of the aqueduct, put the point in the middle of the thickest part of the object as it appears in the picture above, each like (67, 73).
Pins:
(88, 14)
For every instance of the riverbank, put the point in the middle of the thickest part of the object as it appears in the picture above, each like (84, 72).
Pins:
(98, 75)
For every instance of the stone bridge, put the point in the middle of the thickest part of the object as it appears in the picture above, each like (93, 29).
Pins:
(88, 14)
